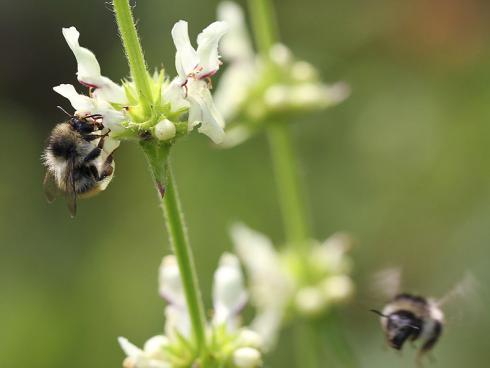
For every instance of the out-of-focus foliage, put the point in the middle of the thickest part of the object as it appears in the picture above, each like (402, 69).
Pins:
(402, 165)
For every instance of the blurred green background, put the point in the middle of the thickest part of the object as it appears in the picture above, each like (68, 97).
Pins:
(402, 165)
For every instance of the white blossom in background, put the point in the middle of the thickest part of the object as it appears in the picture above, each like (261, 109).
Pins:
(278, 285)
(188, 94)
(252, 90)
(230, 345)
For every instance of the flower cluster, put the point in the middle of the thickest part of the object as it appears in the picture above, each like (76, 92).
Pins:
(285, 283)
(228, 344)
(176, 106)
(255, 89)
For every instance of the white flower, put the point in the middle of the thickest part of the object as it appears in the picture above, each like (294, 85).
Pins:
(247, 358)
(277, 285)
(122, 110)
(104, 91)
(253, 87)
(229, 297)
(193, 68)
(270, 286)
(149, 357)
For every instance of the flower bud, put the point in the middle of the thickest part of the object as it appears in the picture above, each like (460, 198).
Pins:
(170, 284)
(310, 301)
(229, 295)
(280, 54)
(250, 338)
(165, 130)
(155, 346)
(247, 358)
(303, 71)
(338, 288)
(276, 96)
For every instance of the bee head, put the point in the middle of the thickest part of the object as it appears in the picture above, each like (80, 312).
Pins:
(82, 124)
(400, 326)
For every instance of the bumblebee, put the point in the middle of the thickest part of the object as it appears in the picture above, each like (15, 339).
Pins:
(78, 158)
(410, 317)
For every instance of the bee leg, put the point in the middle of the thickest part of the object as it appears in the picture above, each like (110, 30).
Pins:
(102, 140)
(92, 155)
(91, 137)
(107, 171)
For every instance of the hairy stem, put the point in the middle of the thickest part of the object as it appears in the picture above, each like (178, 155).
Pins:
(157, 154)
(134, 52)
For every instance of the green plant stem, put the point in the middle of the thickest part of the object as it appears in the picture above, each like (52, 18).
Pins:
(288, 186)
(134, 52)
(264, 24)
(157, 154)
(308, 337)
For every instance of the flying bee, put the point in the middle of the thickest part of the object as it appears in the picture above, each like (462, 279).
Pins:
(78, 159)
(410, 317)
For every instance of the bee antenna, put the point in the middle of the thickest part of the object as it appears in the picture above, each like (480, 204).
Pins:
(378, 313)
(66, 112)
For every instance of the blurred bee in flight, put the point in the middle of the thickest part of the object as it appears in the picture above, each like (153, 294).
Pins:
(78, 159)
(410, 317)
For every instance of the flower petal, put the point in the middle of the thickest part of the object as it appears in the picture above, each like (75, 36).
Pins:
(137, 358)
(186, 58)
(110, 91)
(170, 283)
(207, 49)
(271, 287)
(236, 44)
(89, 70)
(234, 87)
(129, 348)
(203, 111)
(88, 66)
(177, 322)
(247, 358)
(174, 94)
(229, 294)
(267, 324)
(83, 104)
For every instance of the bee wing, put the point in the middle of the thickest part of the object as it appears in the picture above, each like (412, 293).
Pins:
(71, 194)
(466, 289)
(386, 283)
(51, 190)
(378, 289)
(463, 304)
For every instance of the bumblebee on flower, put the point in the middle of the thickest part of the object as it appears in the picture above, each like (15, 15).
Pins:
(188, 93)
(171, 109)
